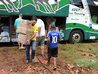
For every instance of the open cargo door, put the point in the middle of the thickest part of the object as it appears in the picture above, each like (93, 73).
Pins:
(4, 29)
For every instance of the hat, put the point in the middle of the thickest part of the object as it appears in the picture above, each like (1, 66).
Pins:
(53, 26)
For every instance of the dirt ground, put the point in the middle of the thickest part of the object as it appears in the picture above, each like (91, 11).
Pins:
(12, 61)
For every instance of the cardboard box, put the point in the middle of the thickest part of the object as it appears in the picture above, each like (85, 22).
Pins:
(25, 30)
(13, 36)
(25, 23)
(22, 38)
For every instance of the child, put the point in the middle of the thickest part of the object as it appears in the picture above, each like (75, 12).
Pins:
(52, 44)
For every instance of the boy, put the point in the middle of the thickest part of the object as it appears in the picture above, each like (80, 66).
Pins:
(52, 44)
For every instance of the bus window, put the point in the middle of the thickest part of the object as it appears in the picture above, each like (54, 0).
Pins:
(95, 19)
(77, 3)
(93, 7)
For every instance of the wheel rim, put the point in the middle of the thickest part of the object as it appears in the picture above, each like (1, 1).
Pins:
(76, 37)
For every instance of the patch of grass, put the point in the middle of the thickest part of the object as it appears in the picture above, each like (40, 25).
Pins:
(68, 62)
(1, 49)
(97, 55)
(93, 44)
(91, 63)
(87, 50)
(69, 53)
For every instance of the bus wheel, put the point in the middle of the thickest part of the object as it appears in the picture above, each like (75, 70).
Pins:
(76, 36)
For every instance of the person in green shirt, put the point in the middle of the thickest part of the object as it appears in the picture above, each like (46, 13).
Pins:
(17, 23)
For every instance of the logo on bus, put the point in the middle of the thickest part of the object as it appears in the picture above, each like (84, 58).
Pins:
(75, 9)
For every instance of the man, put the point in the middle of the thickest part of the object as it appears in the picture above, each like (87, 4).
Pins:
(17, 23)
(32, 41)
(40, 35)
(52, 44)
(50, 21)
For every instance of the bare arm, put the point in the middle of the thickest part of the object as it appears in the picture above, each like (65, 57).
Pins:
(15, 24)
(48, 40)
(60, 39)
(32, 36)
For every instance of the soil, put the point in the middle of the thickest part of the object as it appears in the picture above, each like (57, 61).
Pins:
(12, 61)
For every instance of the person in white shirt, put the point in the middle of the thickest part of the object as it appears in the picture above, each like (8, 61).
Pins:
(40, 36)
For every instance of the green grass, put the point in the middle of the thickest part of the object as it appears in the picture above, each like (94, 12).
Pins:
(70, 53)
(1, 49)
(87, 50)
(87, 63)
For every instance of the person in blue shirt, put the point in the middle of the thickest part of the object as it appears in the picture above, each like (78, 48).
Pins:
(52, 43)
(17, 23)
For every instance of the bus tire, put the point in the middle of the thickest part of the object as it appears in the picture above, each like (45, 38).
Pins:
(76, 36)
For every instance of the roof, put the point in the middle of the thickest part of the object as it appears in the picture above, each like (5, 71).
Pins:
(29, 8)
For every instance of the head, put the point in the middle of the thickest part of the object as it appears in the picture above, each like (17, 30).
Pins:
(20, 15)
(53, 27)
(39, 17)
(34, 20)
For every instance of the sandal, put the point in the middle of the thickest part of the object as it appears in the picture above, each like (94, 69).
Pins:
(22, 48)
(54, 68)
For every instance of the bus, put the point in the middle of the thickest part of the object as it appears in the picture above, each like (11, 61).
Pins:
(81, 23)
(76, 19)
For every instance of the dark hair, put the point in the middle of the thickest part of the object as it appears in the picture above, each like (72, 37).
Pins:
(53, 27)
(34, 18)
(20, 15)
(39, 17)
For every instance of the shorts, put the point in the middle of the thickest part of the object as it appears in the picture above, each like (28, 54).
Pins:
(40, 41)
(53, 52)
(17, 35)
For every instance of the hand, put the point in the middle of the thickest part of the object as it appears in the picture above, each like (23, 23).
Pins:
(28, 42)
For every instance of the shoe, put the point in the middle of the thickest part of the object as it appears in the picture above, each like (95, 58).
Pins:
(27, 61)
(42, 55)
(54, 68)
(22, 48)
(33, 61)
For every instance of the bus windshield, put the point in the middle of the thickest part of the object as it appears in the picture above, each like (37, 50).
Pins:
(90, 2)
(93, 7)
